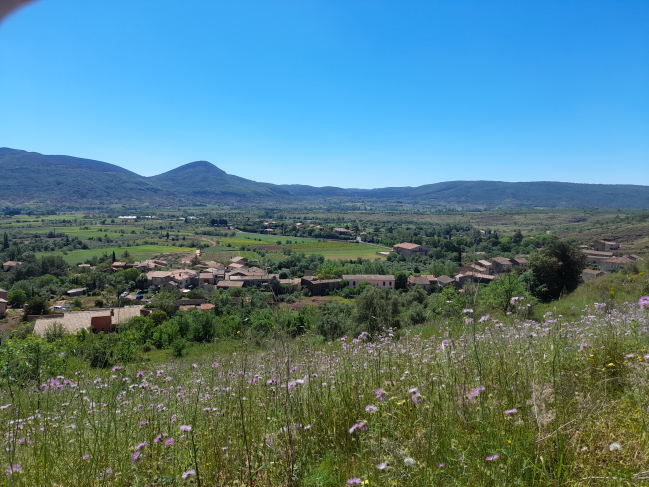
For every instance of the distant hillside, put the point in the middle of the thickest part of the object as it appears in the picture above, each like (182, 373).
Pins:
(203, 181)
(30, 177)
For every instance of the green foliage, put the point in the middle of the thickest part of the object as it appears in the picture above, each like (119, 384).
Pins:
(17, 298)
(37, 305)
(334, 319)
(165, 301)
(158, 316)
(377, 309)
(30, 360)
(557, 269)
(500, 292)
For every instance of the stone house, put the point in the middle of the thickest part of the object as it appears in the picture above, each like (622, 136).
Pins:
(409, 249)
(590, 274)
(378, 281)
(318, 287)
(421, 281)
(605, 245)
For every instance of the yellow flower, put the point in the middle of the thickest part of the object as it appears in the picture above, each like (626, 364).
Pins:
(611, 365)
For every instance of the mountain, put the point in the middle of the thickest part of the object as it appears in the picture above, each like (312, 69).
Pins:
(30, 177)
(203, 181)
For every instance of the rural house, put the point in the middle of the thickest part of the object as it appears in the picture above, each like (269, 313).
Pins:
(590, 274)
(7, 266)
(96, 320)
(605, 245)
(378, 281)
(317, 287)
(614, 264)
(409, 249)
(421, 281)
(501, 265)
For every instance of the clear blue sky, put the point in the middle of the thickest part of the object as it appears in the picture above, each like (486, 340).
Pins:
(347, 93)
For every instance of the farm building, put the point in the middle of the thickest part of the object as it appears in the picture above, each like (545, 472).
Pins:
(590, 274)
(409, 249)
(318, 287)
(80, 291)
(97, 320)
(605, 245)
(379, 281)
(7, 266)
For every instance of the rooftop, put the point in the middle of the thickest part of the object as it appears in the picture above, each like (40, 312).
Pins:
(406, 245)
(368, 277)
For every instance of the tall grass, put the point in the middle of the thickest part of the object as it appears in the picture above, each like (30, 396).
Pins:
(469, 402)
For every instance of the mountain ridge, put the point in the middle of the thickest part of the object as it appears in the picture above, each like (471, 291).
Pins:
(62, 180)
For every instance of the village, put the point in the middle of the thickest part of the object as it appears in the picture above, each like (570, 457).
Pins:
(192, 273)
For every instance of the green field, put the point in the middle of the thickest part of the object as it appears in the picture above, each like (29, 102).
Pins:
(138, 252)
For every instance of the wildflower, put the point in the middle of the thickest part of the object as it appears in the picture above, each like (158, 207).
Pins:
(511, 411)
(382, 466)
(371, 408)
(408, 462)
(143, 422)
(360, 426)
(135, 456)
(169, 441)
(13, 469)
(5, 406)
(116, 368)
(615, 447)
(157, 439)
(644, 302)
(473, 393)
(441, 465)
(484, 318)
(185, 428)
(141, 445)
(468, 311)
(354, 481)
(139, 374)
(189, 473)
(493, 458)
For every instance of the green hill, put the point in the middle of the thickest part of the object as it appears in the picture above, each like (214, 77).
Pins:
(30, 177)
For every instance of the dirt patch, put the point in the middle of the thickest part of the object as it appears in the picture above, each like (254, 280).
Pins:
(315, 301)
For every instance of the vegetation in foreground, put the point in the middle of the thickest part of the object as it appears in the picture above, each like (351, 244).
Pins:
(476, 402)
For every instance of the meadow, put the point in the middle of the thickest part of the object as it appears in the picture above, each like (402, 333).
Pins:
(139, 252)
(474, 401)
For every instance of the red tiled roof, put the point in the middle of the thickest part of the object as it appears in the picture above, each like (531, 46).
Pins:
(406, 245)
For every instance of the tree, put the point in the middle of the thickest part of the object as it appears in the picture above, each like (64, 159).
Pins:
(37, 305)
(114, 258)
(5, 242)
(500, 292)
(17, 298)
(377, 309)
(557, 269)
(400, 280)
(518, 237)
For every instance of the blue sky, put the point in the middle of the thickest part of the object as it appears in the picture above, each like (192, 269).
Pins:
(347, 93)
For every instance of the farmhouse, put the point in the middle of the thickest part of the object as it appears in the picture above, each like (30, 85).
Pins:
(318, 287)
(342, 231)
(501, 265)
(3, 302)
(605, 245)
(7, 266)
(409, 249)
(239, 260)
(590, 274)
(614, 264)
(378, 281)
(594, 257)
(421, 281)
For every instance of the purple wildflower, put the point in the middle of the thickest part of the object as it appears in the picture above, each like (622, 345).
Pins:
(644, 302)
(157, 439)
(141, 445)
(13, 469)
(358, 426)
(493, 457)
(116, 368)
(143, 422)
(473, 393)
(468, 310)
(169, 441)
(354, 481)
(189, 473)
(139, 374)
(511, 411)
(86, 456)
(135, 456)
(382, 466)
(441, 465)
(185, 428)
(371, 408)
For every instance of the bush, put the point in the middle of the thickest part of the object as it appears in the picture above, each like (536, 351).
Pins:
(178, 347)
(99, 303)
(17, 298)
(54, 332)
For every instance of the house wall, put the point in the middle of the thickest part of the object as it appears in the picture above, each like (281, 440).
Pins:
(101, 323)
(374, 282)
(3, 308)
